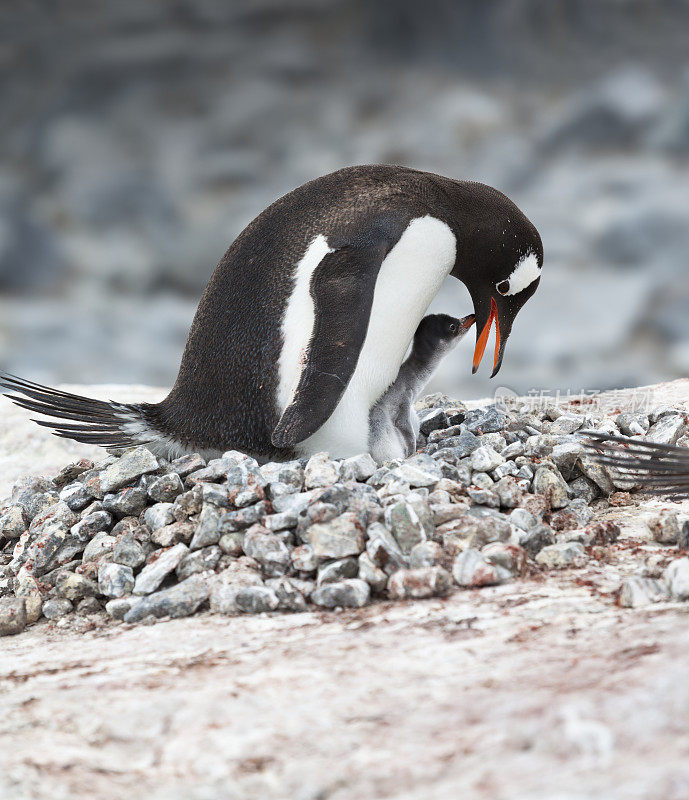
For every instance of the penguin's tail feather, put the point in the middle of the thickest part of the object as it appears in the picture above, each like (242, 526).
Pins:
(660, 469)
(105, 423)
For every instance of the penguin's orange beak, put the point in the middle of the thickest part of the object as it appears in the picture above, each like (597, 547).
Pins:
(482, 340)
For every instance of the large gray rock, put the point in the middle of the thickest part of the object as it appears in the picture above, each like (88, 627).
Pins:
(340, 537)
(472, 570)
(177, 601)
(405, 525)
(115, 580)
(562, 555)
(352, 593)
(128, 468)
(12, 615)
(421, 582)
(13, 522)
(153, 574)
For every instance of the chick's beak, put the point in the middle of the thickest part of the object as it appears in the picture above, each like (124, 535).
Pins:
(466, 322)
(482, 340)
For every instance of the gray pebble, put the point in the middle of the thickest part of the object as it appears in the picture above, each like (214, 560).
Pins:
(338, 570)
(73, 586)
(522, 519)
(418, 583)
(665, 528)
(435, 419)
(404, 523)
(178, 601)
(232, 544)
(115, 580)
(101, 545)
(128, 552)
(357, 468)
(153, 574)
(207, 530)
(550, 484)
(562, 555)
(215, 494)
(667, 429)
(172, 534)
(485, 458)
(90, 525)
(127, 502)
(418, 471)
(166, 488)
(280, 522)
(676, 578)
(483, 497)
(128, 468)
(351, 593)
(425, 554)
(320, 471)
(567, 423)
(290, 593)
(198, 561)
(12, 615)
(119, 606)
(337, 538)
(89, 605)
(56, 607)
(256, 599)
(243, 517)
(472, 570)
(185, 465)
(304, 559)
(268, 549)
(159, 515)
(75, 495)
(535, 539)
(374, 576)
(13, 522)
(637, 592)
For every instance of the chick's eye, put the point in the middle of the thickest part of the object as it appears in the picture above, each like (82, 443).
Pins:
(503, 287)
(453, 328)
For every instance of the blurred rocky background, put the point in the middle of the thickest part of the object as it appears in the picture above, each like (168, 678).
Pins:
(138, 138)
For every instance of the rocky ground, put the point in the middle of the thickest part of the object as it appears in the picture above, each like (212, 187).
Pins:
(561, 676)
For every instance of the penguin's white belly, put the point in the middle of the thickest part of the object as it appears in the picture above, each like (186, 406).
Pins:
(408, 280)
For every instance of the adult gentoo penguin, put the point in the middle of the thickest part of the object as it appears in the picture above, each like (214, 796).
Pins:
(306, 320)
(393, 423)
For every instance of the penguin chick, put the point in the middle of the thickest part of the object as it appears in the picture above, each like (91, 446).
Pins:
(393, 423)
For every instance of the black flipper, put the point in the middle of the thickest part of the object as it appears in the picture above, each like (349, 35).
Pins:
(103, 421)
(661, 469)
(342, 289)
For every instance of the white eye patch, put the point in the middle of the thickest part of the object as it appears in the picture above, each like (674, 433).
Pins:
(523, 275)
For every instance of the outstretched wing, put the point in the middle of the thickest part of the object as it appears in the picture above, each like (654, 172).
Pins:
(661, 469)
(342, 289)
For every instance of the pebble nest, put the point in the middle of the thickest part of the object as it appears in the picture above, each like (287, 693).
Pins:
(492, 494)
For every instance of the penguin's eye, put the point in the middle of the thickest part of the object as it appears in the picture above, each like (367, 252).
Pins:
(453, 328)
(503, 287)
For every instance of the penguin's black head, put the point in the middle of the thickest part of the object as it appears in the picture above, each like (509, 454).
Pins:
(439, 333)
(499, 260)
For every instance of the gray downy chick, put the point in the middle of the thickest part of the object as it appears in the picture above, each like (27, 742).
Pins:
(393, 423)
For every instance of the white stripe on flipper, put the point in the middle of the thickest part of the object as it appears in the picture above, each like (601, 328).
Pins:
(297, 323)
(524, 274)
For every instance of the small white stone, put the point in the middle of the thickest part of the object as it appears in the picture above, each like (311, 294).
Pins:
(484, 459)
